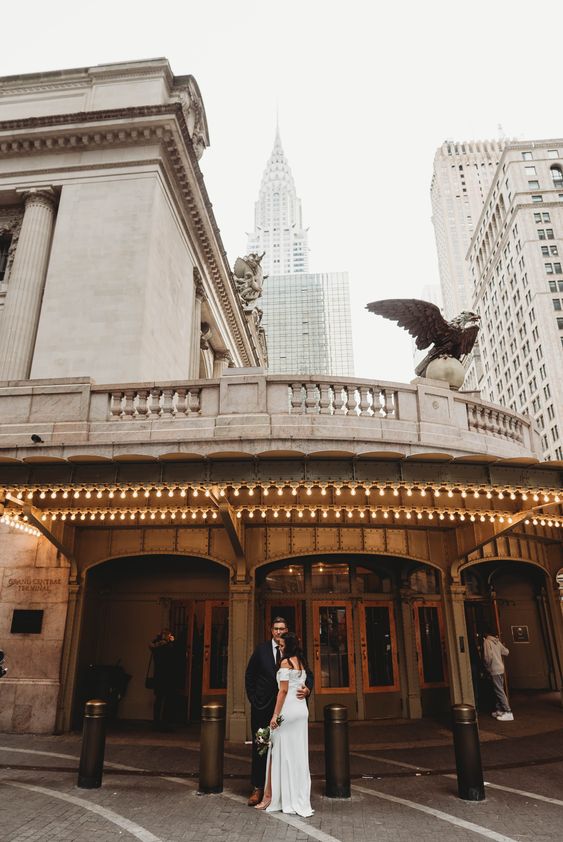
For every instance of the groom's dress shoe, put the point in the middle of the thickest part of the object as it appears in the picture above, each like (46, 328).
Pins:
(255, 797)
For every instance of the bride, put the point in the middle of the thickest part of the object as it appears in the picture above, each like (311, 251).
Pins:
(288, 781)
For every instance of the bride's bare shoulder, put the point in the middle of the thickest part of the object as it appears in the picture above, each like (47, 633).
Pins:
(285, 664)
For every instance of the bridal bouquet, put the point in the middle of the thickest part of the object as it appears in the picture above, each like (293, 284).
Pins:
(262, 738)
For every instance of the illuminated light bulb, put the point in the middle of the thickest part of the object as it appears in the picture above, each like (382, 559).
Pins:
(309, 491)
(288, 513)
(462, 517)
(135, 493)
(353, 492)
(536, 498)
(550, 523)
(291, 569)
(30, 495)
(423, 492)
(482, 518)
(111, 494)
(43, 517)
(204, 515)
(276, 513)
(409, 492)
(171, 492)
(350, 513)
(239, 515)
(337, 514)
(556, 498)
(222, 492)
(362, 514)
(194, 515)
(299, 513)
(524, 496)
(395, 492)
(43, 495)
(542, 522)
(385, 515)
(19, 495)
(419, 515)
(251, 514)
(173, 515)
(500, 495)
(472, 518)
(312, 513)
(265, 492)
(53, 495)
(153, 515)
(263, 513)
(476, 494)
(323, 491)
(147, 492)
(367, 491)
(214, 515)
(142, 516)
(183, 492)
(437, 492)
(162, 515)
(374, 514)
(464, 494)
(251, 492)
(452, 516)
(123, 495)
(235, 492)
(122, 516)
(546, 498)
(325, 513)
(92, 516)
(441, 515)
(501, 520)
(159, 492)
(73, 516)
(409, 515)
(99, 494)
(450, 493)
(63, 516)
(338, 492)
(82, 516)
(397, 514)
(381, 492)
(510, 520)
(321, 568)
(430, 516)
(184, 515)
(489, 495)
(280, 491)
(534, 521)
(54, 516)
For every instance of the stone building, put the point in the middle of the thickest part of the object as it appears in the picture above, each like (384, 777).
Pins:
(388, 522)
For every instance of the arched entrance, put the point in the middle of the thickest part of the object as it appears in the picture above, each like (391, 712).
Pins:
(127, 602)
(510, 598)
(373, 629)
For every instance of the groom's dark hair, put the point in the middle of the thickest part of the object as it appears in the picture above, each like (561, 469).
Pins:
(279, 620)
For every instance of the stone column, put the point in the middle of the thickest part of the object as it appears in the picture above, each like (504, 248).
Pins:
(459, 662)
(413, 699)
(221, 362)
(69, 658)
(241, 615)
(27, 280)
(199, 298)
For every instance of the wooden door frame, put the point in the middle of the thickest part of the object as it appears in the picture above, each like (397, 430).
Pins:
(327, 603)
(390, 605)
(423, 603)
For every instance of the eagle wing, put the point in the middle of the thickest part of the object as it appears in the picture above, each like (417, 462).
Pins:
(422, 319)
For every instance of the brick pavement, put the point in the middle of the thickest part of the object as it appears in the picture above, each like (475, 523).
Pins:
(167, 809)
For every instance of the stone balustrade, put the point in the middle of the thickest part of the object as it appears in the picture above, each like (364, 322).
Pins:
(248, 411)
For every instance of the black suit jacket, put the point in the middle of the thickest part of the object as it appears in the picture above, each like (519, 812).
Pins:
(260, 677)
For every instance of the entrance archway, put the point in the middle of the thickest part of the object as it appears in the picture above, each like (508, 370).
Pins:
(127, 602)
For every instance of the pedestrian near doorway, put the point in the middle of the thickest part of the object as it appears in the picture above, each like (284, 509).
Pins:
(494, 652)
(166, 679)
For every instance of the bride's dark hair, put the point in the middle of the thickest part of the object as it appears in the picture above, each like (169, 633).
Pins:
(292, 649)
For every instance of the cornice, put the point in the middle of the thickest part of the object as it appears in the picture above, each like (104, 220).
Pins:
(64, 132)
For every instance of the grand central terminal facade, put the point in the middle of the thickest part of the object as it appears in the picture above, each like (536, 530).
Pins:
(152, 473)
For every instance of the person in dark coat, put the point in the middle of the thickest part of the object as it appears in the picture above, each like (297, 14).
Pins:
(166, 678)
(262, 690)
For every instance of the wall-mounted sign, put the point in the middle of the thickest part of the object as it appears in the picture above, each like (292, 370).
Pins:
(520, 634)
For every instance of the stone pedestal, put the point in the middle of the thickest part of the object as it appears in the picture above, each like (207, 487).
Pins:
(25, 290)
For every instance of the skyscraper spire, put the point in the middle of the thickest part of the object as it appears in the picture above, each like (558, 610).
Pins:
(277, 218)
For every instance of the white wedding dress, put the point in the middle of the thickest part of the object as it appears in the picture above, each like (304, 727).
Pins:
(289, 752)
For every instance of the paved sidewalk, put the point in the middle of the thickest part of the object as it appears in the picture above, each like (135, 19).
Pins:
(403, 787)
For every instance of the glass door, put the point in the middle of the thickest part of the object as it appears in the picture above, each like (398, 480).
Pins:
(378, 639)
(333, 647)
(215, 647)
(181, 626)
(431, 645)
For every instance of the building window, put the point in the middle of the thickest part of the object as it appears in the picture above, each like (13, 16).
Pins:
(530, 170)
(552, 153)
(557, 176)
(526, 156)
(5, 243)
(556, 303)
(560, 324)
(533, 185)
(536, 199)
(549, 268)
(537, 217)
(546, 217)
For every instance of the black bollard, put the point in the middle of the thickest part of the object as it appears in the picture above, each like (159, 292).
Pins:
(337, 752)
(470, 785)
(211, 748)
(91, 766)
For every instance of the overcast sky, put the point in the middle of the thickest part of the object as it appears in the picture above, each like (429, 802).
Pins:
(366, 92)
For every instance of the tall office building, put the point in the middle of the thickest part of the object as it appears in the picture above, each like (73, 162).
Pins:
(515, 264)
(306, 315)
(463, 173)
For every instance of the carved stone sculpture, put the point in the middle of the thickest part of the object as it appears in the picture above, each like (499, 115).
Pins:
(249, 278)
(426, 324)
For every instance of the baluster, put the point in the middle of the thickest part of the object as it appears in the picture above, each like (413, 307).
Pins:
(365, 394)
(340, 399)
(351, 403)
(182, 404)
(325, 402)
(142, 403)
(129, 406)
(115, 405)
(311, 398)
(472, 417)
(388, 403)
(155, 400)
(194, 404)
(168, 401)
(296, 398)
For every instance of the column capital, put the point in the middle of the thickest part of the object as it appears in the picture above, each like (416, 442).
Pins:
(198, 283)
(43, 196)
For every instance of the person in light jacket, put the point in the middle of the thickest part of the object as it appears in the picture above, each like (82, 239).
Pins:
(493, 653)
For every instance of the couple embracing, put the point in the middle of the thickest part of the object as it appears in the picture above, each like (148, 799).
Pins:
(278, 683)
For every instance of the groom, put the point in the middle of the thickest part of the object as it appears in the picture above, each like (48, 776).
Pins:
(262, 691)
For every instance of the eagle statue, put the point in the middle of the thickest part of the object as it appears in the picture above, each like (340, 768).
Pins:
(424, 321)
